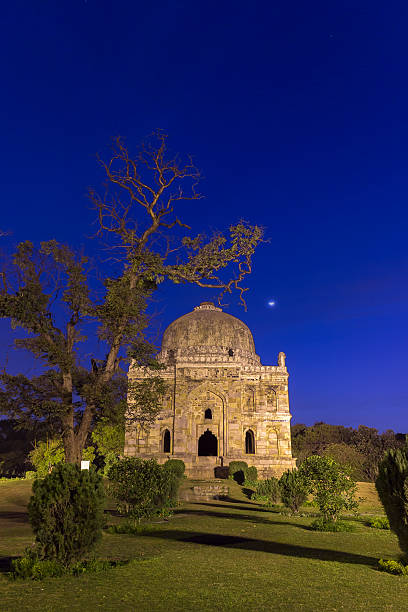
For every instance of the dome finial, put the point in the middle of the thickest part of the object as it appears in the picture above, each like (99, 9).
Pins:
(207, 306)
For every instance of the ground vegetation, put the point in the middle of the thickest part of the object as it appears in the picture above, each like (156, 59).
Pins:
(201, 553)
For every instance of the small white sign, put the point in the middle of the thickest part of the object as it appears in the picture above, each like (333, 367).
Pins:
(84, 465)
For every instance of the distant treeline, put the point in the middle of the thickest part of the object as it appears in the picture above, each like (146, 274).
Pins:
(362, 448)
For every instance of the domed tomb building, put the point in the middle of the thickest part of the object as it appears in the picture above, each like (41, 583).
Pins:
(222, 405)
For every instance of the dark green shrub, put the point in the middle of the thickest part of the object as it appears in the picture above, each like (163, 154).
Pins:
(23, 567)
(293, 489)
(393, 567)
(378, 522)
(321, 524)
(142, 488)
(30, 566)
(175, 465)
(237, 471)
(66, 513)
(267, 490)
(251, 475)
(392, 487)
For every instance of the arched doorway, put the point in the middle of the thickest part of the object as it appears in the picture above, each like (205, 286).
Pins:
(249, 442)
(207, 445)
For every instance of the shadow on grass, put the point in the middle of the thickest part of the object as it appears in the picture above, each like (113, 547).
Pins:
(235, 505)
(240, 517)
(248, 492)
(5, 564)
(276, 548)
(19, 517)
(234, 500)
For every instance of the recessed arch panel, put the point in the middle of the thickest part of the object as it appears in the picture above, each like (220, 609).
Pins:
(249, 442)
(166, 441)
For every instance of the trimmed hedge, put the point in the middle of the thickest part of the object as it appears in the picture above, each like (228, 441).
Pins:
(251, 475)
(237, 471)
(177, 466)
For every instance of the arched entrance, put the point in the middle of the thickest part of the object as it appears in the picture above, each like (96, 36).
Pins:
(207, 445)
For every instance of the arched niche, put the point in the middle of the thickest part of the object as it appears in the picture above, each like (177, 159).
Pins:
(249, 442)
(166, 441)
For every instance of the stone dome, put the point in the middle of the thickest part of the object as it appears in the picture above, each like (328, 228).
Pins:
(211, 334)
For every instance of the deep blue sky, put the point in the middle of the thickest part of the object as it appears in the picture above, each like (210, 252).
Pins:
(297, 114)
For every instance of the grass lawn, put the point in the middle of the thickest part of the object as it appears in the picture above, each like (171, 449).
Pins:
(217, 555)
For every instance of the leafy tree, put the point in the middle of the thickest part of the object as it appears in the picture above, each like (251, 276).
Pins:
(392, 487)
(365, 444)
(46, 455)
(315, 439)
(293, 487)
(331, 484)
(50, 294)
(346, 455)
(109, 437)
(368, 442)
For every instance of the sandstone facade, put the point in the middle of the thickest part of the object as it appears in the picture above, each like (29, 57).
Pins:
(222, 405)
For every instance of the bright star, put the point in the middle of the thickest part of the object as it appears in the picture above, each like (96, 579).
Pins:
(271, 303)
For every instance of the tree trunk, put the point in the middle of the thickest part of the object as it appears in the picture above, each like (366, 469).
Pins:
(69, 438)
(68, 431)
